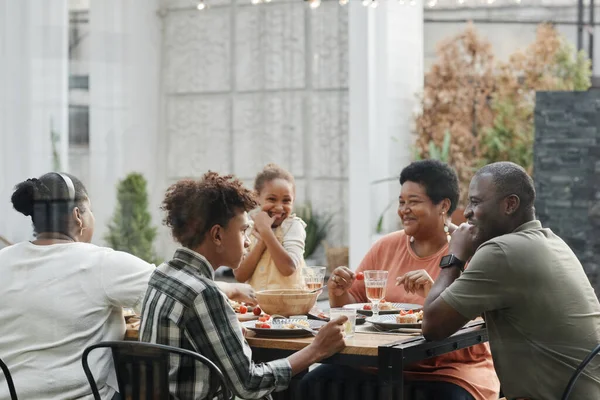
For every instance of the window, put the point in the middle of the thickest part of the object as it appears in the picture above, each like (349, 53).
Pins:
(79, 125)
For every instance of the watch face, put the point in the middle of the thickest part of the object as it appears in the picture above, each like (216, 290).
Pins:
(446, 260)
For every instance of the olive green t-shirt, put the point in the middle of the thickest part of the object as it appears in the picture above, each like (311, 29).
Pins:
(542, 314)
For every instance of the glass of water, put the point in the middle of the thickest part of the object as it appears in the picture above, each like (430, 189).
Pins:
(350, 325)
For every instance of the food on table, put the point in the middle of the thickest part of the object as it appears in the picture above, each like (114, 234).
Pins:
(368, 307)
(242, 308)
(269, 323)
(265, 318)
(322, 315)
(257, 310)
(409, 317)
(360, 276)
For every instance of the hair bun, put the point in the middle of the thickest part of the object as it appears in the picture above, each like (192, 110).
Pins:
(24, 196)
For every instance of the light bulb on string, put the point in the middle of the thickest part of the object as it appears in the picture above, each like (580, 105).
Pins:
(374, 3)
(314, 3)
(461, 1)
(401, 2)
(343, 2)
(412, 3)
(431, 3)
(201, 5)
(255, 1)
(266, 1)
(366, 3)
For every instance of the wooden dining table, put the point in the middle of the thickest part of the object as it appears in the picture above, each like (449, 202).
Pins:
(389, 352)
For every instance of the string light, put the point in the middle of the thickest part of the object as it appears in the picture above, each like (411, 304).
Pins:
(201, 6)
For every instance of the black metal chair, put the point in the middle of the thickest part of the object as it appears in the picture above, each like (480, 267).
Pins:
(143, 370)
(578, 372)
(9, 381)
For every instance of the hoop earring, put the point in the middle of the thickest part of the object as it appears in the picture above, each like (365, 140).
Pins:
(412, 239)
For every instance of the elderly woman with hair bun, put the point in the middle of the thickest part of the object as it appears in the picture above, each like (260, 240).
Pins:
(60, 294)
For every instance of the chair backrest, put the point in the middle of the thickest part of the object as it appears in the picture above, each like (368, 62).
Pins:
(9, 381)
(143, 370)
(578, 372)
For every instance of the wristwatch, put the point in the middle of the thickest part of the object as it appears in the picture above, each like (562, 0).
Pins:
(451, 260)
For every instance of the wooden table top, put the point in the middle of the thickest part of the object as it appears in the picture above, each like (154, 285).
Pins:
(364, 344)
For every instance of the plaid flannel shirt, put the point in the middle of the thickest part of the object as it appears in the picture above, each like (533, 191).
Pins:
(184, 308)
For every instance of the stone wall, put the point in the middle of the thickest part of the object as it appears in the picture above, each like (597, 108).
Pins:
(246, 85)
(567, 171)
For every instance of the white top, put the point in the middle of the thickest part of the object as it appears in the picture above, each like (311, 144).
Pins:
(54, 302)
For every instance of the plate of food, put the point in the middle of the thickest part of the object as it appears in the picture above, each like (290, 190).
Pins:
(245, 312)
(405, 319)
(384, 308)
(282, 327)
(324, 316)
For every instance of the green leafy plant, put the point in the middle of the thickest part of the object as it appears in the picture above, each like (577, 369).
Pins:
(55, 139)
(317, 226)
(441, 153)
(131, 227)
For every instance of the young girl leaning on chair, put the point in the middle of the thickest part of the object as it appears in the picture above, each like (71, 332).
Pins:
(276, 254)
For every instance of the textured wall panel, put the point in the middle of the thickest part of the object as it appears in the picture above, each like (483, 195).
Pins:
(199, 138)
(268, 128)
(329, 35)
(197, 51)
(329, 134)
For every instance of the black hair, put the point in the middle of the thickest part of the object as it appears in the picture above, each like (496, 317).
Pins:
(194, 207)
(48, 202)
(510, 178)
(439, 180)
(271, 172)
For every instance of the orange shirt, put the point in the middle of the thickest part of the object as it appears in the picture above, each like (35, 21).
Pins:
(471, 368)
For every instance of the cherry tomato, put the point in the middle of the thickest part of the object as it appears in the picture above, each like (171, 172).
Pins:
(360, 276)
(382, 301)
(267, 316)
(367, 307)
(265, 326)
(404, 312)
(257, 310)
(243, 309)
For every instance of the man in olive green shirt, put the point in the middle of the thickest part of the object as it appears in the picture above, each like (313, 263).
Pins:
(542, 314)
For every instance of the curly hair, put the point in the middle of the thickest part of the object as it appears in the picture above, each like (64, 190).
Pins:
(438, 178)
(194, 207)
(271, 172)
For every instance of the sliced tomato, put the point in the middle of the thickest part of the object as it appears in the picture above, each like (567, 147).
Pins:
(367, 307)
(257, 310)
(360, 276)
(243, 309)
(265, 326)
(405, 312)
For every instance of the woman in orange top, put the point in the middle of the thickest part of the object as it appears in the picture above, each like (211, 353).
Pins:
(412, 256)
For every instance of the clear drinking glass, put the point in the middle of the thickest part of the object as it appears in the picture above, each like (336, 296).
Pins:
(375, 284)
(314, 277)
(350, 325)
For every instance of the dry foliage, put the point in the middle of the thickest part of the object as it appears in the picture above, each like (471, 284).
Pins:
(487, 106)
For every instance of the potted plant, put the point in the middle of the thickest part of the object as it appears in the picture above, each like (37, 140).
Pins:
(131, 227)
